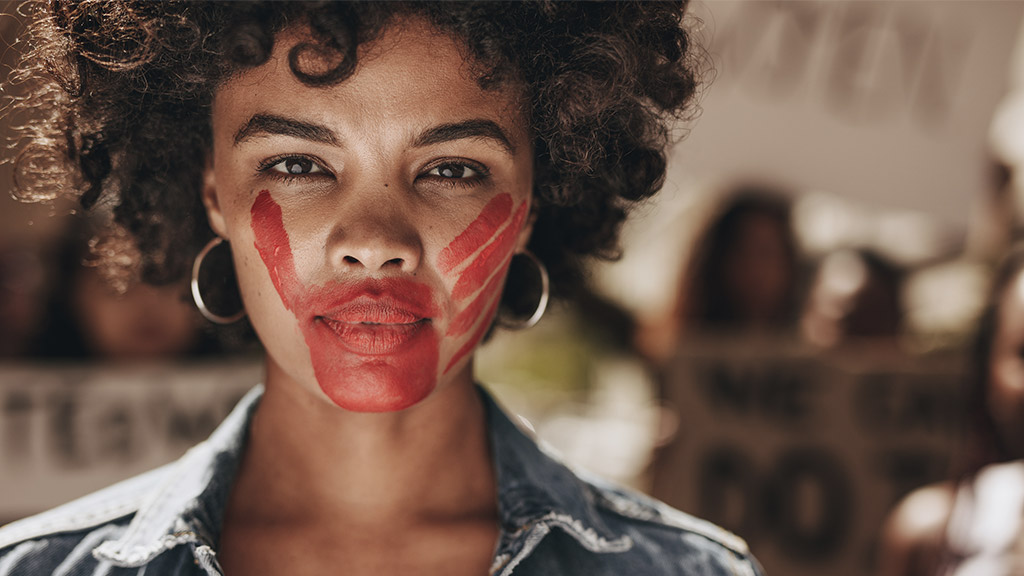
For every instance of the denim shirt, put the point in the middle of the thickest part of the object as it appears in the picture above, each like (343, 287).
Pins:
(553, 521)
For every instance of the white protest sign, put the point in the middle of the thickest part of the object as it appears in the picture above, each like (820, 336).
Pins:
(69, 430)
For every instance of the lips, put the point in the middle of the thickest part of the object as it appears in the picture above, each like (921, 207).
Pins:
(372, 339)
(376, 318)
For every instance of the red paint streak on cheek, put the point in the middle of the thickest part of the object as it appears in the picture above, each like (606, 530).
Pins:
(465, 320)
(274, 247)
(490, 259)
(474, 339)
(477, 233)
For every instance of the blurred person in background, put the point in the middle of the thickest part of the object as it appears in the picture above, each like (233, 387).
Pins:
(973, 525)
(742, 276)
(855, 298)
(104, 312)
(373, 169)
(22, 295)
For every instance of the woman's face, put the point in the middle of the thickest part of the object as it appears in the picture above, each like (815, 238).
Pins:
(372, 221)
(1006, 376)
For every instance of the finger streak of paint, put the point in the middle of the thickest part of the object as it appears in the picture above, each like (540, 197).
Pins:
(274, 247)
(477, 272)
(474, 339)
(464, 321)
(477, 233)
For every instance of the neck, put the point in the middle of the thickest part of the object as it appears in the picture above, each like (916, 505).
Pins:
(308, 460)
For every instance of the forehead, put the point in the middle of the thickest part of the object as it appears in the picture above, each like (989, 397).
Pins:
(411, 70)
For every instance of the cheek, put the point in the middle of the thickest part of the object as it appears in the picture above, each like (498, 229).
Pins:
(478, 259)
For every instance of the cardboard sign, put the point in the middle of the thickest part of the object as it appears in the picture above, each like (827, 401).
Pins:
(804, 454)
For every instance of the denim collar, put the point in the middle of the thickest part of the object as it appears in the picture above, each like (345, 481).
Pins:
(536, 494)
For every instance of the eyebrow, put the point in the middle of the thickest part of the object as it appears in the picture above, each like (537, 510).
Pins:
(270, 124)
(466, 129)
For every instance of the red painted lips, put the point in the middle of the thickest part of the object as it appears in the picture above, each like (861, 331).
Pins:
(375, 320)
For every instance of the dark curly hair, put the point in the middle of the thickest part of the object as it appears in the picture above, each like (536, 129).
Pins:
(124, 88)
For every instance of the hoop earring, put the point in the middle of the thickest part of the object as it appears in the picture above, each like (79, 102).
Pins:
(545, 293)
(197, 295)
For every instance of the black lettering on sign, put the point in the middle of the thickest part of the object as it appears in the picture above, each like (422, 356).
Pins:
(779, 393)
(63, 414)
(803, 502)
(17, 418)
(887, 403)
(115, 434)
(728, 484)
(188, 425)
(808, 504)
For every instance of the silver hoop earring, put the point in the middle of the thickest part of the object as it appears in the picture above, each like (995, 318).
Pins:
(542, 303)
(197, 295)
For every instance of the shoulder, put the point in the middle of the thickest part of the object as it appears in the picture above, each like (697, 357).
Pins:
(66, 535)
(659, 529)
(921, 514)
(915, 530)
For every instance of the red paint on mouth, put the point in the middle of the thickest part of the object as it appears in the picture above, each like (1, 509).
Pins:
(479, 231)
(490, 259)
(373, 345)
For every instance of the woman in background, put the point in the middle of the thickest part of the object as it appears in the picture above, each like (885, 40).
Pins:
(974, 525)
(373, 169)
(97, 312)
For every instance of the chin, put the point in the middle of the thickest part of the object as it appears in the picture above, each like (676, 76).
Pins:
(377, 387)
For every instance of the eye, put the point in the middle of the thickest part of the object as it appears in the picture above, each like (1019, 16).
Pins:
(455, 171)
(295, 166)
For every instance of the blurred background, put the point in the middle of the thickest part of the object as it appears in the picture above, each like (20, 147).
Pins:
(787, 347)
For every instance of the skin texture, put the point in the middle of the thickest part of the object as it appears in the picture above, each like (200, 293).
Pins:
(371, 248)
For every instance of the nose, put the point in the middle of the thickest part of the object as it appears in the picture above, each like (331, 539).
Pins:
(378, 238)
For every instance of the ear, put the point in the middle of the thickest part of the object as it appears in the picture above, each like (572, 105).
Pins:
(211, 202)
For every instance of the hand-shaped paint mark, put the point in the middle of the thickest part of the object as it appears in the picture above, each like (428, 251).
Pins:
(493, 247)
(372, 343)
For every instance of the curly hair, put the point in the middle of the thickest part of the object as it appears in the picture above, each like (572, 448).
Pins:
(124, 89)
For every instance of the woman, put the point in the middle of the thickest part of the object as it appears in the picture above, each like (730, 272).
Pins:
(374, 170)
(975, 524)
